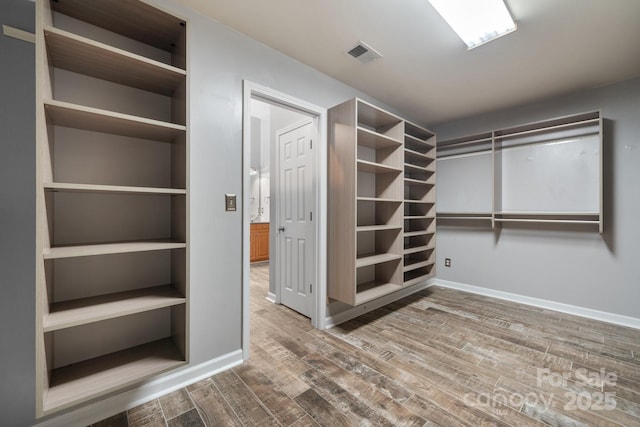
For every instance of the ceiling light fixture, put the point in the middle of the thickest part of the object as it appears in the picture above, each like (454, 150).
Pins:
(476, 21)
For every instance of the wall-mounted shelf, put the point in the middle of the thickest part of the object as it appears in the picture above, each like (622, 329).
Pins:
(115, 189)
(66, 114)
(85, 56)
(505, 176)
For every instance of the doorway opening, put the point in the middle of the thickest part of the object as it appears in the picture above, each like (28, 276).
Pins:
(284, 202)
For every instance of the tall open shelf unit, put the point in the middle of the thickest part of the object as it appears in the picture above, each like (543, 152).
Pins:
(112, 290)
(381, 203)
(419, 204)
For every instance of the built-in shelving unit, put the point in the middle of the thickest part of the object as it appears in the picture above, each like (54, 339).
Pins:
(381, 175)
(547, 172)
(112, 290)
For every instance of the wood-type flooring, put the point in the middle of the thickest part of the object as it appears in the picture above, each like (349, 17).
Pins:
(439, 357)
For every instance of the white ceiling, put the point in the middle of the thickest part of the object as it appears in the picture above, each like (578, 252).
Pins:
(426, 71)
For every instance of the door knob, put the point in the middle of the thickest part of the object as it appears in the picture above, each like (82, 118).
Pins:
(281, 228)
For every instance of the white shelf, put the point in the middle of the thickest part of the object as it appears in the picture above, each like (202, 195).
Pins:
(374, 290)
(116, 189)
(81, 55)
(372, 167)
(109, 248)
(372, 259)
(96, 377)
(366, 228)
(93, 119)
(68, 314)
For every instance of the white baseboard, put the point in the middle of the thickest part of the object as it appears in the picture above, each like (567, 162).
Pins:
(105, 408)
(333, 320)
(271, 297)
(589, 313)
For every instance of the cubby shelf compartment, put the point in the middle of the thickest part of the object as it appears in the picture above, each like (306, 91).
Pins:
(417, 276)
(371, 139)
(109, 248)
(372, 167)
(115, 189)
(96, 377)
(82, 311)
(372, 259)
(85, 56)
(417, 264)
(374, 290)
(66, 114)
(417, 249)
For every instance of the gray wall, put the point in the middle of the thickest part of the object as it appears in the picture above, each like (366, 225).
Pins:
(17, 217)
(581, 268)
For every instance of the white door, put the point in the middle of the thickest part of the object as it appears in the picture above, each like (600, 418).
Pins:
(295, 235)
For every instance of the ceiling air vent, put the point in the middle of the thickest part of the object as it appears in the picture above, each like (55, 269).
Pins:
(364, 53)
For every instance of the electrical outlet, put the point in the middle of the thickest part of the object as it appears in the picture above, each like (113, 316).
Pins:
(447, 262)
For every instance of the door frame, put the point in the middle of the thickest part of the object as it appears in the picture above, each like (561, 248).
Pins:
(253, 90)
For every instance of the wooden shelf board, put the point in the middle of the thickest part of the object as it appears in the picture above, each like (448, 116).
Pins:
(552, 221)
(419, 217)
(68, 314)
(417, 155)
(412, 181)
(116, 189)
(423, 169)
(372, 167)
(377, 199)
(110, 248)
(416, 140)
(372, 259)
(423, 202)
(417, 264)
(96, 377)
(365, 228)
(374, 290)
(417, 249)
(416, 233)
(371, 139)
(93, 119)
(85, 56)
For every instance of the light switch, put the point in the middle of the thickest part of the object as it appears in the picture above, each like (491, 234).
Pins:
(230, 202)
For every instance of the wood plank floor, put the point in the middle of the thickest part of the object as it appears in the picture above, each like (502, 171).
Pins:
(439, 357)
